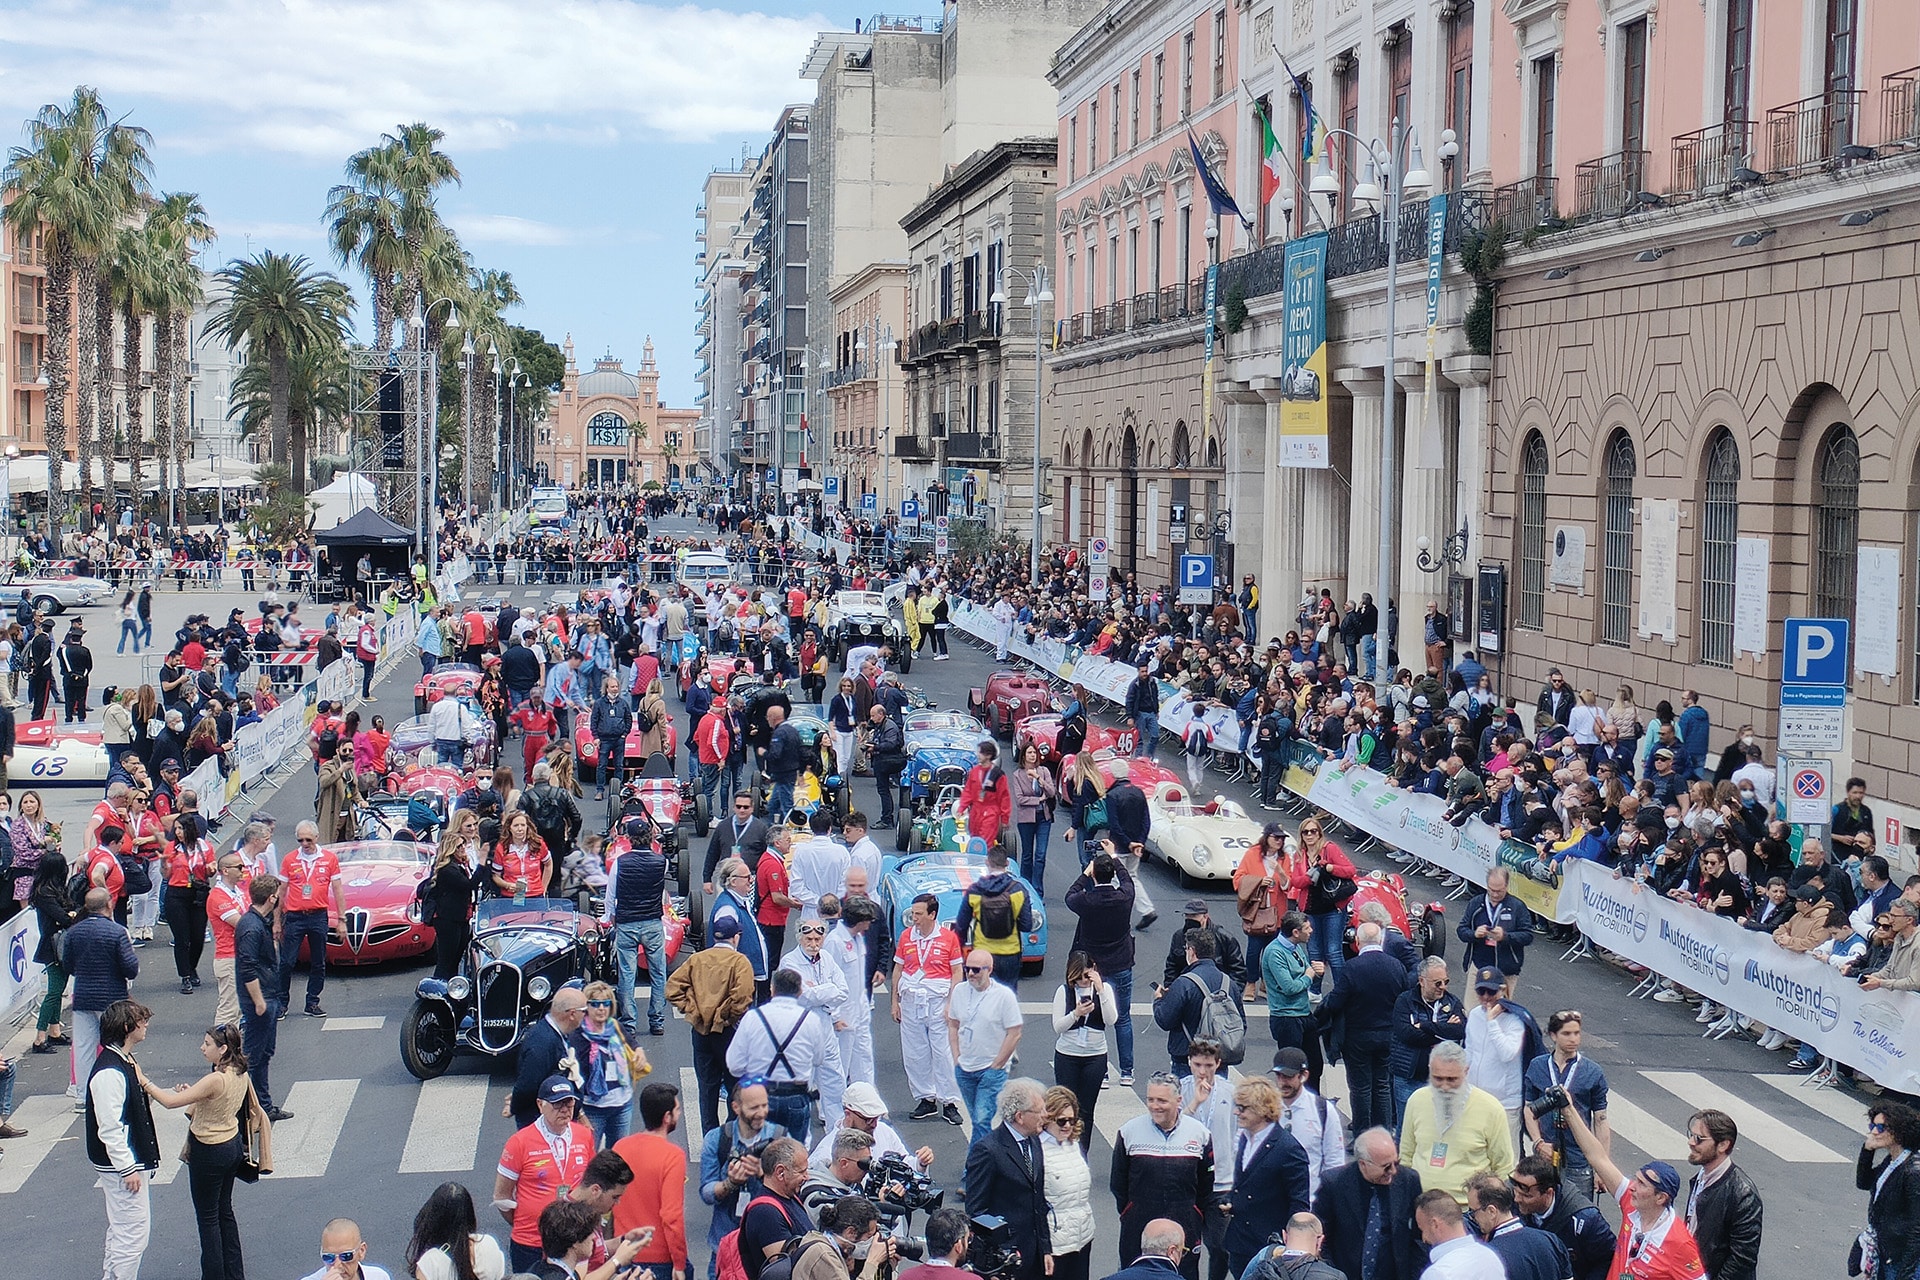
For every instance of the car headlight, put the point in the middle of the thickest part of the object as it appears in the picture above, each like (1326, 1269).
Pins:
(926, 775)
(1202, 856)
(539, 989)
(459, 988)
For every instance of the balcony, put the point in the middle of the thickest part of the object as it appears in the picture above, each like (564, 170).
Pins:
(1714, 160)
(912, 449)
(1609, 186)
(26, 374)
(1900, 108)
(761, 312)
(973, 446)
(1813, 132)
(858, 371)
(1167, 305)
(30, 314)
(982, 326)
(1525, 205)
(29, 257)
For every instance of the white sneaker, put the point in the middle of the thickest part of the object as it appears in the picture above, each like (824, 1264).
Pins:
(1667, 995)
(1707, 1012)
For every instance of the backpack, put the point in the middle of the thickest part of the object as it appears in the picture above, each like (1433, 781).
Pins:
(727, 1261)
(1221, 1020)
(994, 918)
(427, 907)
(545, 811)
(1198, 738)
(137, 874)
(781, 1268)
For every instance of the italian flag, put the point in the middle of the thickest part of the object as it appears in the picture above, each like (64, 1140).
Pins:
(1270, 151)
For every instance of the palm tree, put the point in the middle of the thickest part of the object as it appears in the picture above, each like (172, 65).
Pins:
(78, 175)
(319, 391)
(281, 306)
(363, 219)
(131, 276)
(181, 222)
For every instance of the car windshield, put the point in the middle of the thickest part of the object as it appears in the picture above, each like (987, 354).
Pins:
(446, 671)
(533, 913)
(380, 851)
(924, 721)
(860, 602)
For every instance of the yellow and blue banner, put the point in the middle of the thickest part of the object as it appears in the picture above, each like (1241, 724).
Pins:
(1303, 350)
(1431, 455)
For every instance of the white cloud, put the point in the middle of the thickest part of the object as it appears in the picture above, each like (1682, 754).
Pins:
(323, 78)
(501, 228)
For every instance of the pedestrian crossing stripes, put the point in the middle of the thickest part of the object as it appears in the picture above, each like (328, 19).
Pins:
(1757, 1126)
(445, 1134)
(354, 1024)
(303, 1145)
(690, 1115)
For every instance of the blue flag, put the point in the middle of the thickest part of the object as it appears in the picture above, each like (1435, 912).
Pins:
(1217, 195)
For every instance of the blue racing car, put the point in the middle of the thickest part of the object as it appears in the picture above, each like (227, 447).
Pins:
(946, 874)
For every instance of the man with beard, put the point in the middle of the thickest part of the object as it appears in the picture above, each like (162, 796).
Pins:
(1452, 1130)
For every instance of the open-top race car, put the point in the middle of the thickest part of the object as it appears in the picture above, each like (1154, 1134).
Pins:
(1150, 776)
(458, 678)
(932, 769)
(1008, 698)
(1043, 731)
(52, 593)
(521, 953)
(943, 728)
(586, 747)
(410, 737)
(856, 618)
(1200, 840)
(1423, 924)
(378, 880)
(720, 669)
(47, 753)
(947, 874)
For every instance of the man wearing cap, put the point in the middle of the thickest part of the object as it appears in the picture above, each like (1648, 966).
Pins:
(863, 1108)
(846, 946)
(40, 668)
(1654, 1243)
(1497, 928)
(1313, 1121)
(76, 671)
(1227, 952)
(1452, 1130)
(713, 989)
(1502, 1038)
(539, 1160)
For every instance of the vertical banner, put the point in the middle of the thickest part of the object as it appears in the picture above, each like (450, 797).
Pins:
(1206, 366)
(1303, 380)
(1750, 596)
(1432, 453)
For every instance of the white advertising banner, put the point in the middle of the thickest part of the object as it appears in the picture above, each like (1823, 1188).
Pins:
(335, 684)
(21, 980)
(210, 785)
(1877, 1032)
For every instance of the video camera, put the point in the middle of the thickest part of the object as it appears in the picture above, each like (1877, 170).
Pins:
(991, 1252)
(898, 1187)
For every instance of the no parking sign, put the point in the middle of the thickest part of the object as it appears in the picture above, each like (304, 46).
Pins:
(1810, 792)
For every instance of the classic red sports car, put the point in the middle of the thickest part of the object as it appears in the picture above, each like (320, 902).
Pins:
(1044, 731)
(1424, 925)
(720, 671)
(1155, 779)
(378, 879)
(444, 780)
(43, 733)
(1009, 698)
(458, 678)
(586, 748)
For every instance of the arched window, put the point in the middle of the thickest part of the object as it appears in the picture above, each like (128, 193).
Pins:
(1616, 565)
(1182, 448)
(1533, 533)
(1836, 542)
(1719, 534)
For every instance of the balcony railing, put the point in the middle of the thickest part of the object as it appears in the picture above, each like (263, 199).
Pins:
(25, 372)
(912, 448)
(855, 372)
(25, 256)
(983, 326)
(1609, 186)
(30, 313)
(1167, 305)
(1899, 116)
(1814, 131)
(974, 446)
(1713, 160)
(1524, 205)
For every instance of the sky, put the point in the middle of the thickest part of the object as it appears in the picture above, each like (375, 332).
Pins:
(582, 128)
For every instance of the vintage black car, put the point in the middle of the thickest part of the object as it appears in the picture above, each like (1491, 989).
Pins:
(522, 952)
(856, 618)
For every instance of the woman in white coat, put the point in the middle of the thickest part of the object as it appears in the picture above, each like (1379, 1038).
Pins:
(1069, 1187)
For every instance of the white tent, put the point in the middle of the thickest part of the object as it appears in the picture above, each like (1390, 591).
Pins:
(349, 493)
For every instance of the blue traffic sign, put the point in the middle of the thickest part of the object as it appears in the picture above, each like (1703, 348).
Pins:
(773, 477)
(1812, 695)
(869, 502)
(832, 486)
(909, 508)
(1816, 651)
(1196, 573)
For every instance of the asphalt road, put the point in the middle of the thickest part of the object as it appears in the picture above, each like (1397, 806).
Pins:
(361, 1119)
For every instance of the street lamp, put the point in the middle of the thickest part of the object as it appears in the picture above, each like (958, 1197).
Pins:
(426, 497)
(1453, 549)
(1401, 147)
(6, 489)
(1038, 293)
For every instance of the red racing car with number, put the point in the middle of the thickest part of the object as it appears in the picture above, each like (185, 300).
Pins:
(721, 668)
(460, 679)
(378, 879)
(1043, 731)
(1158, 781)
(586, 747)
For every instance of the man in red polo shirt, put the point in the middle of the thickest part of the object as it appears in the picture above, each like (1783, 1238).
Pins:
(771, 892)
(227, 901)
(536, 1163)
(103, 867)
(313, 883)
(657, 1196)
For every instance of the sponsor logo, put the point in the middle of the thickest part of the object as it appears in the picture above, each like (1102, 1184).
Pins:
(1790, 995)
(17, 958)
(1697, 954)
(1614, 915)
(1879, 1039)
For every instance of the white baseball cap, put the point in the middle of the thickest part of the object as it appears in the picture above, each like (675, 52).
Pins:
(863, 1099)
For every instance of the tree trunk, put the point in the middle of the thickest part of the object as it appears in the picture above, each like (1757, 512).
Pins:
(162, 415)
(178, 385)
(60, 274)
(297, 440)
(85, 382)
(136, 409)
(104, 437)
(279, 396)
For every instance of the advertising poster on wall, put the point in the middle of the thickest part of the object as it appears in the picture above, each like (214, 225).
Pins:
(1303, 378)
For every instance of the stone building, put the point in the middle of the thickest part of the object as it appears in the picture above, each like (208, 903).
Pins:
(767, 440)
(867, 389)
(603, 429)
(722, 264)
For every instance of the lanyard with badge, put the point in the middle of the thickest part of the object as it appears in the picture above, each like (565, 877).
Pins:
(1564, 1082)
(738, 832)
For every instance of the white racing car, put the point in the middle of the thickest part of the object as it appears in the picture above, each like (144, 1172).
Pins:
(53, 593)
(47, 753)
(1200, 841)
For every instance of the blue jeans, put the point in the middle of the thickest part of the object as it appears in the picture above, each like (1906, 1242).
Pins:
(428, 661)
(259, 1035)
(1368, 643)
(1402, 1090)
(449, 751)
(129, 630)
(6, 1088)
(1033, 853)
(794, 1112)
(1328, 943)
(312, 926)
(1146, 728)
(609, 1124)
(710, 786)
(628, 941)
(1122, 984)
(780, 803)
(980, 1093)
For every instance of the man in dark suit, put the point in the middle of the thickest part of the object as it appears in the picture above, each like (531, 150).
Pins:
(1162, 1242)
(1364, 996)
(1367, 1209)
(553, 1046)
(1270, 1182)
(1006, 1174)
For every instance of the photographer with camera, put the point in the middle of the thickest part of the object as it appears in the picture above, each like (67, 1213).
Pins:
(730, 1159)
(851, 1226)
(948, 1240)
(1559, 1079)
(841, 1173)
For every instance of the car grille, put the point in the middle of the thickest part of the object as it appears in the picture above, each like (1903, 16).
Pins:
(499, 1006)
(949, 775)
(354, 925)
(386, 933)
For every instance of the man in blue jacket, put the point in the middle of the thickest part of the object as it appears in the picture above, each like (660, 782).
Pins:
(1176, 1007)
(1424, 1015)
(98, 953)
(1143, 708)
(1365, 992)
(1693, 728)
(1498, 929)
(780, 761)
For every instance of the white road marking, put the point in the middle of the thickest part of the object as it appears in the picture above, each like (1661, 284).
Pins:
(1756, 1126)
(1843, 1109)
(1031, 1008)
(171, 1128)
(46, 1117)
(1115, 1105)
(303, 1145)
(445, 1134)
(689, 1106)
(1656, 1139)
(355, 1024)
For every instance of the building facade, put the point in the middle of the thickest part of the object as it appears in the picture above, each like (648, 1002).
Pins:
(603, 429)
(23, 321)
(1706, 384)
(969, 361)
(720, 263)
(768, 441)
(867, 389)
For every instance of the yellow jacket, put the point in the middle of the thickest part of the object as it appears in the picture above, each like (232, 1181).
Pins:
(1478, 1142)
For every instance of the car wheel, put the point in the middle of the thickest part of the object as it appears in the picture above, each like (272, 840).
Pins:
(427, 1040)
(47, 604)
(915, 843)
(702, 816)
(902, 830)
(696, 920)
(906, 658)
(419, 704)
(683, 871)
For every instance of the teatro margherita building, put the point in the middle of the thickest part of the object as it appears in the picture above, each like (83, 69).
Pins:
(607, 427)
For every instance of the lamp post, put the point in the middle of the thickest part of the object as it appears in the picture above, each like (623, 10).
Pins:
(1038, 293)
(1402, 146)
(426, 496)
(466, 418)
(6, 491)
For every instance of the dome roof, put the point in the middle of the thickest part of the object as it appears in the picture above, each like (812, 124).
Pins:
(609, 381)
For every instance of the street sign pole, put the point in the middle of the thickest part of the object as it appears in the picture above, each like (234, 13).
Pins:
(1813, 711)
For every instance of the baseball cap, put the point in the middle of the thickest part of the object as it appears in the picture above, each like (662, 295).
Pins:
(169, 763)
(1194, 907)
(724, 927)
(1489, 979)
(863, 1099)
(1662, 1176)
(1420, 700)
(1289, 1062)
(1663, 752)
(1807, 893)
(558, 1089)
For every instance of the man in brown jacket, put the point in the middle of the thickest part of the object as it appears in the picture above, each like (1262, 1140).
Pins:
(712, 990)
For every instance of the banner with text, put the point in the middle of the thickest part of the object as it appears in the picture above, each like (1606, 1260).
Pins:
(22, 981)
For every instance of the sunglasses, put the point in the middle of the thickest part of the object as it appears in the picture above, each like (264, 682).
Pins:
(348, 1255)
(1518, 1185)
(599, 1004)
(1877, 1126)
(978, 968)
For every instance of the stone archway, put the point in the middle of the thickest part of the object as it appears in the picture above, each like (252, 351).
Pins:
(1130, 498)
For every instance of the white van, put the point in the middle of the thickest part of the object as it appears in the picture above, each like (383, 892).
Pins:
(698, 568)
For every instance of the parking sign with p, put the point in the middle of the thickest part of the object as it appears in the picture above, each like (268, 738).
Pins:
(1816, 651)
(1196, 579)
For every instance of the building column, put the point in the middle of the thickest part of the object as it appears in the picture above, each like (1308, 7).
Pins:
(1473, 376)
(1246, 491)
(1425, 508)
(1281, 581)
(1363, 502)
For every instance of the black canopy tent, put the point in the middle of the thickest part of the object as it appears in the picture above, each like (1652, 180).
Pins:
(366, 533)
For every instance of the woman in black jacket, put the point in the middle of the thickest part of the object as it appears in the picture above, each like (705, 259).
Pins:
(458, 871)
(48, 898)
(1890, 1246)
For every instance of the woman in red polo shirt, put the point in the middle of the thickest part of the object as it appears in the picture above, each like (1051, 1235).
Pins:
(189, 862)
(520, 860)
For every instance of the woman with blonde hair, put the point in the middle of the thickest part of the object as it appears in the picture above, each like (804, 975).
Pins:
(1625, 718)
(607, 1096)
(1082, 788)
(455, 881)
(1583, 722)
(1069, 1186)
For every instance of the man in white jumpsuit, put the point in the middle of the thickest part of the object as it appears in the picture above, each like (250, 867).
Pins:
(846, 946)
(926, 965)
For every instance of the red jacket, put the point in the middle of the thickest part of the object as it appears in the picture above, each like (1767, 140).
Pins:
(987, 806)
(714, 738)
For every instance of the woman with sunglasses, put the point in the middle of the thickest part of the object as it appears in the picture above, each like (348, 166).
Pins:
(216, 1145)
(1329, 883)
(1083, 1008)
(1889, 1247)
(1069, 1185)
(189, 863)
(607, 1098)
(1264, 885)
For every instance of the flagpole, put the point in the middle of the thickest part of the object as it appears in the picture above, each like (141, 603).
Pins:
(1299, 183)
